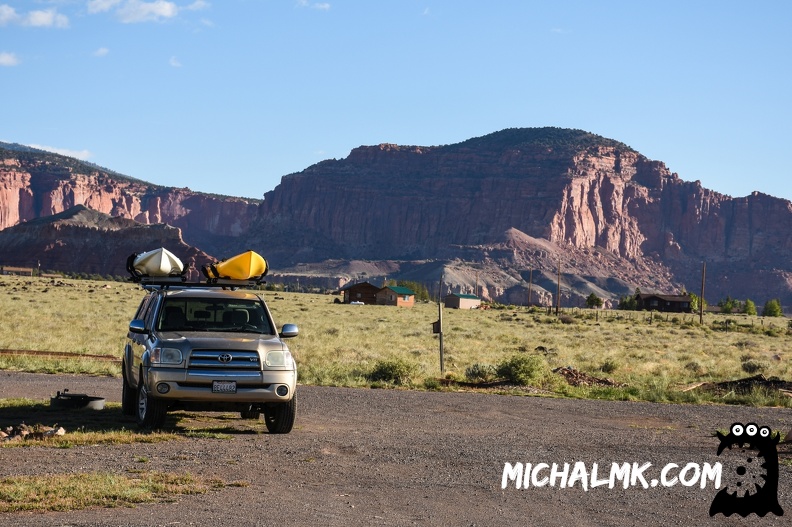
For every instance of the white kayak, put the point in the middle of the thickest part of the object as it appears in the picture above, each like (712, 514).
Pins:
(159, 262)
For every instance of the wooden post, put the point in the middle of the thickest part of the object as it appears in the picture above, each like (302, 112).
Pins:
(440, 323)
(442, 358)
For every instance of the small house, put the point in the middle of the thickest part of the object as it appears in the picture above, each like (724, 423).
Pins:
(362, 292)
(664, 303)
(460, 301)
(393, 295)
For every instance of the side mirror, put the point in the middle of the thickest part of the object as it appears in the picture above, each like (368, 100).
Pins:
(138, 326)
(289, 331)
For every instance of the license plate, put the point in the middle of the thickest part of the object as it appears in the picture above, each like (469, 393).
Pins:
(223, 386)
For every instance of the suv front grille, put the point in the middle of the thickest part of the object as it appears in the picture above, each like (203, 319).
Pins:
(224, 359)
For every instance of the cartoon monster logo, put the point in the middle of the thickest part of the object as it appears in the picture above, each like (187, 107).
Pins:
(750, 472)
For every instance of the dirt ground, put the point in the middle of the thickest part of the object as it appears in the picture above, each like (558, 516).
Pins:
(389, 457)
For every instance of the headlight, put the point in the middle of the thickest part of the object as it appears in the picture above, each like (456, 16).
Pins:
(166, 356)
(280, 359)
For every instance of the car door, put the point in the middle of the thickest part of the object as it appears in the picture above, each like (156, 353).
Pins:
(137, 342)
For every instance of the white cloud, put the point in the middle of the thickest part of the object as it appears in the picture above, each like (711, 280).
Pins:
(321, 6)
(48, 18)
(78, 154)
(136, 11)
(8, 59)
(198, 5)
(8, 15)
(101, 6)
(101, 52)
(174, 62)
(41, 18)
(133, 11)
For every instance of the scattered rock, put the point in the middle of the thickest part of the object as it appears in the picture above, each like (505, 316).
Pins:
(545, 350)
(23, 432)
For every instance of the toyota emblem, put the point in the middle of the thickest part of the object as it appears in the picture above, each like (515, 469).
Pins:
(225, 358)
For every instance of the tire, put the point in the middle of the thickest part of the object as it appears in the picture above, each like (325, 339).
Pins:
(128, 395)
(279, 417)
(150, 410)
(250, 413)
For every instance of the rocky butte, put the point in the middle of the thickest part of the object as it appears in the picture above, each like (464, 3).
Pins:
(492, 215)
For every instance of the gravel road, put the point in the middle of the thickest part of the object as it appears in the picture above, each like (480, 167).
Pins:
(389, 457)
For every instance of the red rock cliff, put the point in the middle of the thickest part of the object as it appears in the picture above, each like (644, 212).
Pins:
(565, 186)
(34, 186)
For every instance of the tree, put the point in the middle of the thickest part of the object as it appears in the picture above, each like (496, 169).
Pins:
(728, 306)
(420, 290)
(694, 302)
(593, 301)
(772, 308)
(749, 308)
(628, 303)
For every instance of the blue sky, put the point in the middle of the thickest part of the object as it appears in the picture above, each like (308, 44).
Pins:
(227, 96)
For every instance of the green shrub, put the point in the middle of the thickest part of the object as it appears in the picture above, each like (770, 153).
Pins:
(609, 366)
(694, 367)
(480, 372)
(524, 370)
(431, 383)
(393, 371)
(752, 366)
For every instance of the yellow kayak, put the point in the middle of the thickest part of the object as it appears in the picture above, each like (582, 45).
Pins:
(243, 266)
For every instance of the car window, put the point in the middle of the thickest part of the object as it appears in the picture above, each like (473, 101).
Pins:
(148, 311)
(143, 305)
(211, 314)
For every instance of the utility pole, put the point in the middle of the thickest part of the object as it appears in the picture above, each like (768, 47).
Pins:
(438, 326)
(701, 298)
(558, 290)
(530, 285)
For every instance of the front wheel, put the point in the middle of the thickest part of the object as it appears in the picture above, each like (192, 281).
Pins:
(150, 411)
(279, 417)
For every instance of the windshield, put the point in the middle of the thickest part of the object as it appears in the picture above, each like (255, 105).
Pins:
(200, 314)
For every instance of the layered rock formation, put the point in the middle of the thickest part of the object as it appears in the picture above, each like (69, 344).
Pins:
(497, 215)
(86, 241)
(604, 209)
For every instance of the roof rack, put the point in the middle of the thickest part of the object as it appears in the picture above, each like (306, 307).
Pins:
(179, 282)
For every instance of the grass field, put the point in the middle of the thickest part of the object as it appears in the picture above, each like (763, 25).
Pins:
(345, 345)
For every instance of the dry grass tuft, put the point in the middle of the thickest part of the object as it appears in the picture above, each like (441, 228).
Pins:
(68, 492)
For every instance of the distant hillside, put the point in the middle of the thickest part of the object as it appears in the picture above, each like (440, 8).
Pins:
(495, 215)
(86, 241)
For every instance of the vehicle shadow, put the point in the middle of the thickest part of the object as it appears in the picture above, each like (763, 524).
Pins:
(207, 423)
(39, 415)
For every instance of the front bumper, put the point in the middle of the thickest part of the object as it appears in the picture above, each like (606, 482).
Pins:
(196, 386)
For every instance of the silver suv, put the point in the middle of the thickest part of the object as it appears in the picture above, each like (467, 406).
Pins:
(198, 347)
